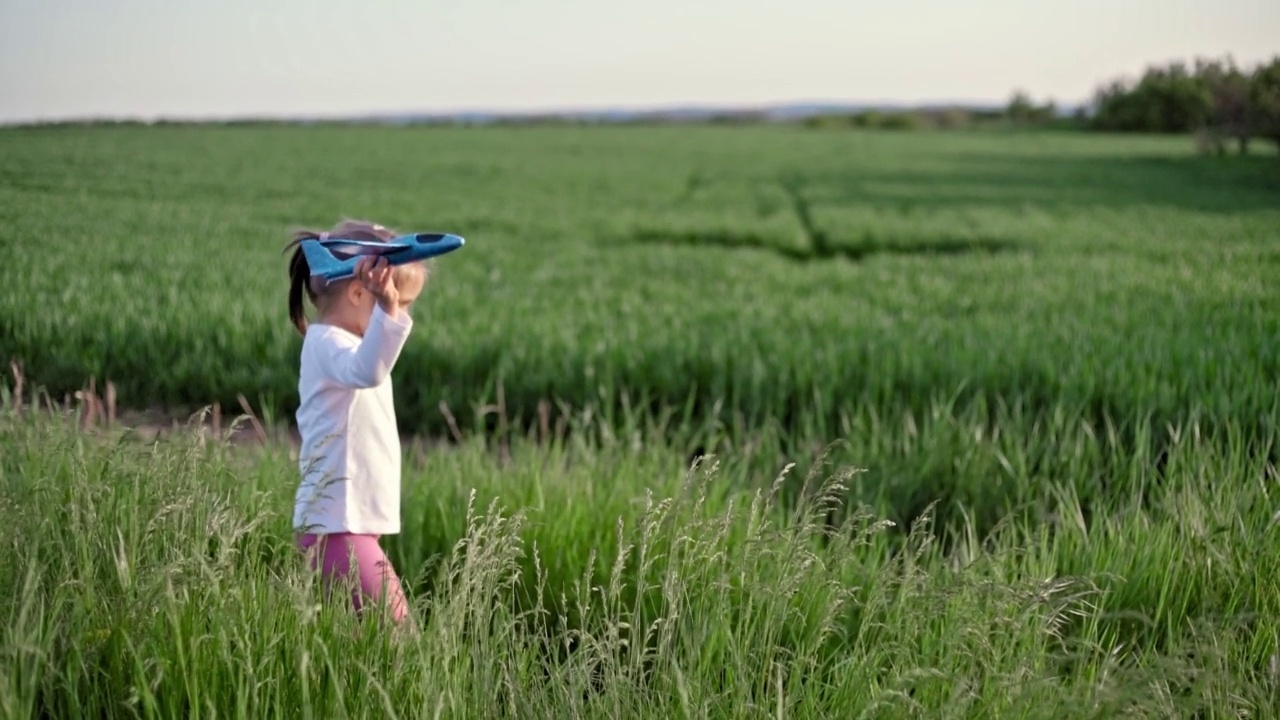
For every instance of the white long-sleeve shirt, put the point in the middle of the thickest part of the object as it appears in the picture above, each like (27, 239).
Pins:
(350, 455)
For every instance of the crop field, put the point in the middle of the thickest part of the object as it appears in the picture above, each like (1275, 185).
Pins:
(986, 425)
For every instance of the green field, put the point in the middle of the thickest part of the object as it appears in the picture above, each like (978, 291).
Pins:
(1054, 359)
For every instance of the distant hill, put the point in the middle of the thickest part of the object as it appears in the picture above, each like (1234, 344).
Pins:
(678, 113)
(783, 112)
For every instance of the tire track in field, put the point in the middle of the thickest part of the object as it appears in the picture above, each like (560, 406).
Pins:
(818, 244)
(820, 247)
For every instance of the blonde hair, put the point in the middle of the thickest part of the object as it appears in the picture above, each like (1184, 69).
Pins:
(317, 288)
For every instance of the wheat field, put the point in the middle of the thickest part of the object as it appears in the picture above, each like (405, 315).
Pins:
(702, 422)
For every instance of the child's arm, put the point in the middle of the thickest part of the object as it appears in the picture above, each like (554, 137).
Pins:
(368, 363)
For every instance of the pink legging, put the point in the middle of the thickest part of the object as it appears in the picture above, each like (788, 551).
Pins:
(374, 572)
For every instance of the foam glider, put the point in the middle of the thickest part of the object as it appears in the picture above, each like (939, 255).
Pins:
(335, 258)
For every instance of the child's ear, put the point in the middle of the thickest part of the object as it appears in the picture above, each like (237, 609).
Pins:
(355, 293)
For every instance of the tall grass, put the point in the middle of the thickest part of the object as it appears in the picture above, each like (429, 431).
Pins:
(159, 579)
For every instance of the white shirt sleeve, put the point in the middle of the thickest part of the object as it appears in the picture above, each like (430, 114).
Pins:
(368, 363)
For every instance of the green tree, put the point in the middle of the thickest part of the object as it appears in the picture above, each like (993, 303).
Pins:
(1229, 112)
(1168, 99)
(1264, 100)
(1020, 107)
(1021, 110)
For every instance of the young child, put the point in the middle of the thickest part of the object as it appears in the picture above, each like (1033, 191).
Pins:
(349, 495)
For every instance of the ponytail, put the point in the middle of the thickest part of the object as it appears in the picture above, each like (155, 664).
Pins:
(299, 281)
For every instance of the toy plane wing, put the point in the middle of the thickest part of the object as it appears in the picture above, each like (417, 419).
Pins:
(336, 259)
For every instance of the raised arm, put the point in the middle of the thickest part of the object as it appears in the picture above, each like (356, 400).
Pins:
(368, 363)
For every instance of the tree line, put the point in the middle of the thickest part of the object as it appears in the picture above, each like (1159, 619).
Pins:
(1213, 98)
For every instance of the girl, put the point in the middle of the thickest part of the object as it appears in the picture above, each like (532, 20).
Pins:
(349, 495)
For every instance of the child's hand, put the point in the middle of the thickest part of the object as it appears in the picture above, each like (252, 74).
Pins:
(375, 276)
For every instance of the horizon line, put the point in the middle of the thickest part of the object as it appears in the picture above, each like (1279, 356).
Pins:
(584, 110)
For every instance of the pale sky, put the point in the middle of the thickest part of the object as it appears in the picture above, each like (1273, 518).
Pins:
(224, 58)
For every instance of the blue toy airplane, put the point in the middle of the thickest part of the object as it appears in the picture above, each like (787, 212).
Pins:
(335, 258)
